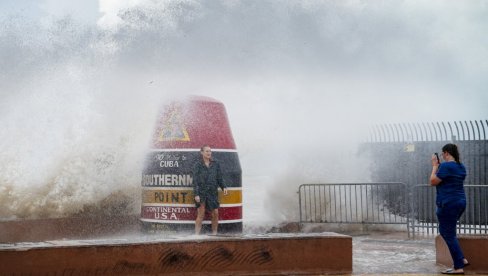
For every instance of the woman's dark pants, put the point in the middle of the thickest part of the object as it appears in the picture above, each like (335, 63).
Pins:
(448, 215)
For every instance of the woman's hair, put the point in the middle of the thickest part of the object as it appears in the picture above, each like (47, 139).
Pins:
(204, 146)
(452, 149)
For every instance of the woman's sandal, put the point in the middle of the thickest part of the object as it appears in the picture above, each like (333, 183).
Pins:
(451, 271)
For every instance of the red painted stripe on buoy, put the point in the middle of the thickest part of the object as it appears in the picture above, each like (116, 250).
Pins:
(193, 123)
(172, 214)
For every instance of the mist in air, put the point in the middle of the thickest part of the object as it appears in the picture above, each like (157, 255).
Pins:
(302, 81)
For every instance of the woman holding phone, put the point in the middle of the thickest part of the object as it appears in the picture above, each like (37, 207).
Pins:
(448, 177)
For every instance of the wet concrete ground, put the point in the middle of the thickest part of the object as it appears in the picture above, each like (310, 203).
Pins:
(393, 253)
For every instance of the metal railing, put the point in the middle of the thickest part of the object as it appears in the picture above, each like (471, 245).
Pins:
(388, 203)
(423, 218)
(395, 197)
(375, 203)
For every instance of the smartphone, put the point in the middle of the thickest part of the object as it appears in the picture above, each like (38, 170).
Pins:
(437, 156)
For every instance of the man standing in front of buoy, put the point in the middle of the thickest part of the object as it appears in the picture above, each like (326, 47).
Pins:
(207, 178)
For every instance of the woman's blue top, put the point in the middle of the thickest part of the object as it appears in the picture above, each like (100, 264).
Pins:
(451, 187)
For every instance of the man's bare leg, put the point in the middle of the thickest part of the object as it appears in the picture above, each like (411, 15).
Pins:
(215, 221)
(199, 220)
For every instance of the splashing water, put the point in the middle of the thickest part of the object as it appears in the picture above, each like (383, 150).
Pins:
(301, 81)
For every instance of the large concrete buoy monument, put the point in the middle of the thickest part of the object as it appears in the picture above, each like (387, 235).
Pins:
(167, 191)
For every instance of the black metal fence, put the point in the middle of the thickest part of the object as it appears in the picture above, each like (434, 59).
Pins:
(430, 131)
(402, 152)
